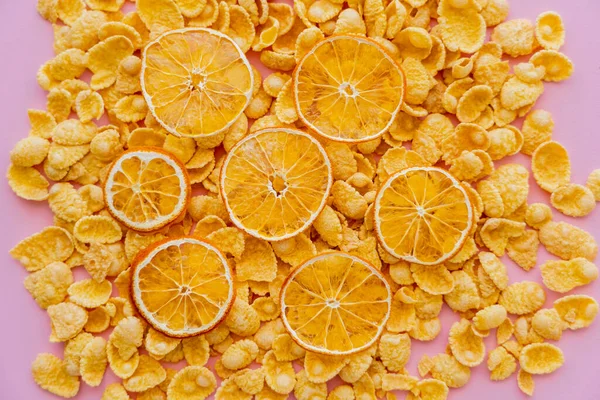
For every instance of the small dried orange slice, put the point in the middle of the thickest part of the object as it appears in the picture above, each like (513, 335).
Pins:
(335, 303)
(182, 287)
(347, 88)
(147, 188)
(275, 182)
(196, 81)
(423, 215)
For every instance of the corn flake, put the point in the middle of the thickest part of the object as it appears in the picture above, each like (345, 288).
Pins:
(541, 358)
(193, 382)
(462, 29)
(578, 311)
(90, 294)
(93, 361)
(279, 375)
(99, 319)
(115, 391)
(567, 241)
(38, 250)
(147, 375)
(127, 336)
(501, 364)
(573, 200)
(29, 151)
(321, 368)
(97, 229)
(121, 367)
(496, 233)
(349, 21)
(448, 370)
(558, 66)
(50, 373)
(523, 298)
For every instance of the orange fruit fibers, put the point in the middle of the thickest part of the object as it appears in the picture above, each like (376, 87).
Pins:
(196, 81)
(335, 303)
(423, 215)
(347, 88)
(182, 287)
(147, 188)
(275, 182)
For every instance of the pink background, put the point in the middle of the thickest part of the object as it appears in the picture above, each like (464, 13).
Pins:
(26, 42)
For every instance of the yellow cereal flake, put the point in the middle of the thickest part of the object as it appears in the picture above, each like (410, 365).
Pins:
(160, 16)
(563, 276)
(29, 151)
(279, 375)
(398, 382)
(98, 319)
(489, 318)
(434, 280)
(567, 241)
(97, 229)
(196, 349)
(93, 361)
(321, 368)
(495, 269)
(240, 354)
(517, 94)
(467, 348)
(158, 344)
(148, 374)
(242, 319)
(90, 294)
(573, 200)
(501, 364)
(465, 294)
(121, 367)
(496, 233)
(285, 109)
(193, 382)
(127, 336)
(523, 297)
(42, 123)
(104, 59)
(523, 249)
(548, 324)
(462, 29)
(50, 373)
(306, 390)
(115, 391)
(394, 350)
(27, 183)
(541, 358)
(49, 285)
(447, 369)
(349, 21)
(38, 250)
(67, 320)
(577, 311)
(285, 349)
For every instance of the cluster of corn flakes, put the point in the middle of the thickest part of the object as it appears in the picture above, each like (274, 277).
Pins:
(450, 69)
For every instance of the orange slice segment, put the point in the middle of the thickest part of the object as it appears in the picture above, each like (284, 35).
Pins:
(423, 215)
(347, 88)
(335, 303)
(196, 81)
(275, 183)
(182, 287)
(147, 188)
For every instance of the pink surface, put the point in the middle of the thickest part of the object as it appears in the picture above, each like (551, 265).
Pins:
(26, 42)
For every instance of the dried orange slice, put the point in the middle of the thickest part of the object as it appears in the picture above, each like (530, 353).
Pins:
(335, 303)
(275, 182)
(423, 215)
(182, 287)
(196, 81)
(147, 188)
(347, 88)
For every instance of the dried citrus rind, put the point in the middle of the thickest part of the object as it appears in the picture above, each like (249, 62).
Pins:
(541, 358)
(426, 196)
(327, 97)
(197, 83)
(255, 183)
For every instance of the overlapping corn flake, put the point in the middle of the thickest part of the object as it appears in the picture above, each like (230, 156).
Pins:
(67, 203)
(104, 59)
(279, 375)
(306, 390)
(398, 382)
(115, 391)
(321, 367)
(523, 297)
(50, 373)
(447, 369)
(523, 249)
(67, 320)
(242, 319)
(465, 294)
(40, 249)
(160, 16)
(496, 233)
(99, 319)
(93, 361)
(501, 364)
(121, 367)
(147, 375)
(97, 229)
(89, 293)
(127, 336)
(49, 285)
(349, 21)
(192, 382)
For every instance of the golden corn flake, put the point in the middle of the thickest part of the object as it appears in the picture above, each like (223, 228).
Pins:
(448, 370)
(523, 297)
(548, 324)
(49, 285)
(321, 367)
(42, 123)
(99, 319)
(121, 367)
(517, 94)
(240, 354)
(541, 358)
(473, 103)
(90, 294)
(434, 280)
(115, 391)
(558, 66)
(465, 294)
(394, 350)
(523, 249)
(501, 364)
(104, 59)
(285, 109)
(196, 350)
(496, 233)
(467, 348)
(567, 241)
(193, 382)
(279, 375)
(67, 320)
(158, 344)
(267, 308)
(38, 250)
(563, 276)
(358, 365)
(286, 349)
(398, 382)
(573, 200)
(27, 183)
(29, 151)
(578, 311)
(495, 269)
(462, 27)
(492, 200)
(127, 336)
(93, 361)
(349, 21)
(148, 374)
(160, 16)
(50, 373)
(97, 229)
(516, 37)
(307, 390)
(242, 319)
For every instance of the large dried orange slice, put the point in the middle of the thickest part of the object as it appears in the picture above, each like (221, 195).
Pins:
(275, 182)
(196, 81)
(147, 188)
(335, 303)
(182, 287)
(347, 88)
(423, 215)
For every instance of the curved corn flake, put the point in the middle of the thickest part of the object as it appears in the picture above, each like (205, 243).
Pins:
(196, 350)
(400, 381)
(492, 200)
(329, 226)
(516, 37)
(89, 105)
(97, 229)
(537, 215)
(279, 375)
(448, 370)
(131, 108)
(284, 14)
(573, 200)
(29, 151)
(67, 320)
(62, 157)
(148, 374)
(375, 18)
(191, 8)
(66, 203)
(230, 241)
(113, 28)
(257, 262)
(241, 28)
(49, 372)
(425, 330)
(432, 389)
(467, 348)
(413, 42)
(348, 200)
(567, 241)
(358, 365)
(495, 12)
(537, 129)
(207, 16)
(285, 109)
(242, 319)
(548, 324)
(563, 276)
(223, 20)
(307, 390)
(501, 364)
(523, 249)
(127, 336)
(434, 280)
(121, 367)
(496, 233)
(504, 142)
(259, 105)
(577, 311)
(285, 349)
(465, 294)
(462, 29)
(105, 57)
(93, 361)
(27, 183)
(349, 21)
(516, 94)
(90, 294)
(394, 350)
(240, 354)
(489, 318)
(98, 320)
(158, 344)
(523, 298)
(557, 65)
(551, 166)
(40, 249)
(193, 382)
(49, 285)
(321, 367)
(467, 137)
(418, 81)
(160, 16)
(267, 308)
(115, 391)
(541, 358)
(306, 40)
(593, 183)
(42, 123)
(495, 269)
(473, 102)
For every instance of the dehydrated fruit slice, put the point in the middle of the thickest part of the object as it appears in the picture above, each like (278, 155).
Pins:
(182, 286)
(196, 81)
(423, 215)
(275, 182)
(347, 88)
(335, 303)
(147, 188)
